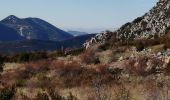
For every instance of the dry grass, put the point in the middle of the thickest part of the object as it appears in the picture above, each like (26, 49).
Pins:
(87, 79)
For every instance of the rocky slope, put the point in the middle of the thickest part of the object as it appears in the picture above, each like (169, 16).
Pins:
(155, 22)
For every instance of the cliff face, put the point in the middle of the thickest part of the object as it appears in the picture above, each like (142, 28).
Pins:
(155, 22)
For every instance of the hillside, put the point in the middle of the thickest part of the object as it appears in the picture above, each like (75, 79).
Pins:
(154, 23)
(9, 34)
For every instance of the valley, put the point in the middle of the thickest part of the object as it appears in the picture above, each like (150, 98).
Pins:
(39, 61)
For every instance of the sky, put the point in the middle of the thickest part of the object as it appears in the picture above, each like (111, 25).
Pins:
(81, 15)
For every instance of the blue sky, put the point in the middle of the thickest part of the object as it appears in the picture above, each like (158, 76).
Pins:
(78, 14)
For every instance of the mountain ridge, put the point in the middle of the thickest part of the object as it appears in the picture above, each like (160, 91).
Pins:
(77, 33)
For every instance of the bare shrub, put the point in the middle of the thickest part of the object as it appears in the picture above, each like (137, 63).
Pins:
(52, 94)
(144, 66)
(7, 92)
(33, 68)
(42, 96)
(70, 69)
(1, 64)
(106, 74)
(153, 92)
(101, 91)
(20, 82)
(72, 74)
(137, 66)
(167, 69)
(89, 56)
(143, 43)
(122, 93)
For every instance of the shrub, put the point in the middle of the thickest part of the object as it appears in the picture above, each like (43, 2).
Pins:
(143, 43)
(107, 75)
(137, 19)
(122, 94)
(71, 69)
(1, 64)
(53, 95)
(42, 96)
(101, 91)
(20, 82)
(152, 90)
(73, 75)
(106, 45)
(167, 69)
(89, 56)
(166, 46)
(71, 97)
(74, 51)
(139, 66)
(33, 68)
(140, 46)
(26, 57)
(44, 82)
(7, 93)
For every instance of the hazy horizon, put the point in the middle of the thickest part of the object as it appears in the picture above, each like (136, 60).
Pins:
(80, 15)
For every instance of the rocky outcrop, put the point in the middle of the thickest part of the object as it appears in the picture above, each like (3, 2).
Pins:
(98, 38)
(155, 22)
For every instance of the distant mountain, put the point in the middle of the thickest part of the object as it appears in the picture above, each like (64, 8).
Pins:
(76, 42)
(33, 34)
(77, 33)
(8, 34)
(35, 28)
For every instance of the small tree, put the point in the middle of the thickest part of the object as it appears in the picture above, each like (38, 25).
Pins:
(167, 69)
(140, 46)
(1, 64)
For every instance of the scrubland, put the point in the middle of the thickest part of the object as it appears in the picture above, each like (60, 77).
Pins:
(133, 71)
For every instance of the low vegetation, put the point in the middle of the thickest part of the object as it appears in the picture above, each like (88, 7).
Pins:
(114, 70)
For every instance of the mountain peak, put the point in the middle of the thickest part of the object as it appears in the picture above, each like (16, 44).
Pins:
(11, 19)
